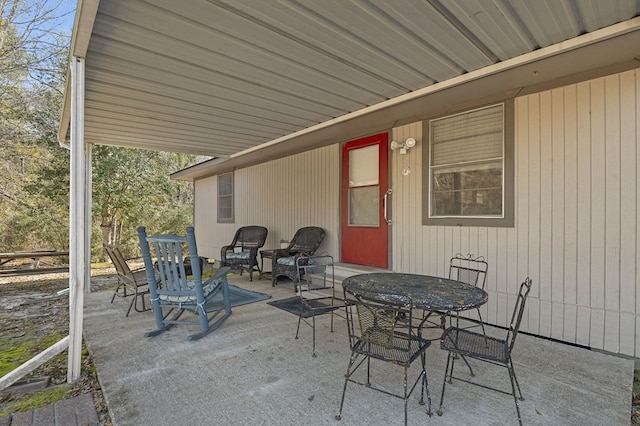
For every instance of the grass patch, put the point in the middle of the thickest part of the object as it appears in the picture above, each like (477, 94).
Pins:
(34, 400)
(15, 355)
(12, 357)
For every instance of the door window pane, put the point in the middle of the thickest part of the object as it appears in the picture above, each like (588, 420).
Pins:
(364, 188)
(364, 205)
(363, 166)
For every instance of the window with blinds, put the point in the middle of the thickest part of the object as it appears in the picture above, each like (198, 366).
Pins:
(225, 197)
(466, 164)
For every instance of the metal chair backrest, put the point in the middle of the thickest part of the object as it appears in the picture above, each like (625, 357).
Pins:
(469, 269)
(320, 266)
(118, 260)
(377, 322)
(516, 318)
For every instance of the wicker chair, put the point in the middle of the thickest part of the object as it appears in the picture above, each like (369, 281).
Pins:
(243, 251)
(285, 263)
(478, 346)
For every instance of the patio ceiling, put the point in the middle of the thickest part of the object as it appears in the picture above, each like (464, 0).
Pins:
(254, 79)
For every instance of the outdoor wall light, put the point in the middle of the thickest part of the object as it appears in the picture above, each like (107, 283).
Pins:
(403, 146)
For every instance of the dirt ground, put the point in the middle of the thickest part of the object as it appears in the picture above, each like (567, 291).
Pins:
(32, 311)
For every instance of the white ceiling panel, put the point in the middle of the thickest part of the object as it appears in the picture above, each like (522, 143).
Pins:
(234, 78)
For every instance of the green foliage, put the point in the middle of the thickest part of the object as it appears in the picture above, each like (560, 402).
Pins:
(130, 187)
(16, 354)
(33, 401)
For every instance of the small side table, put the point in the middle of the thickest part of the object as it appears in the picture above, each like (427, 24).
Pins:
(265, 254)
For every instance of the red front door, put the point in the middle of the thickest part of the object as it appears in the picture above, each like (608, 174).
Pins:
(365, 232)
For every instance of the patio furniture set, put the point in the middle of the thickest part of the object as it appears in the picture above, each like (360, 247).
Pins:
(384, 323)
(386, 313)
(242, 253)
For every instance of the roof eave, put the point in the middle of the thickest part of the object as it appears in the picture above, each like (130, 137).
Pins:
(80, 37)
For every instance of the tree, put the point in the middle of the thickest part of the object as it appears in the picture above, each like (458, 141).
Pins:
(130, 187)
(33, 54)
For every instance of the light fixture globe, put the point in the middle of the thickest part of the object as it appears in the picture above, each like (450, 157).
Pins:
(410, 143)
(395, 145)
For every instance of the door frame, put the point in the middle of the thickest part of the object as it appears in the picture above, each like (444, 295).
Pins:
(382, 140)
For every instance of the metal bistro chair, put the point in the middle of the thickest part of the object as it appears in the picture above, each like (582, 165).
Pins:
(243, 251)
(384, 331)
(135, 281)
(488, 349)
(174, 292)
(317, 291)
(468, 269)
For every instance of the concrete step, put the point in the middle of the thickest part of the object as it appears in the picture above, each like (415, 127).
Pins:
(346, 270)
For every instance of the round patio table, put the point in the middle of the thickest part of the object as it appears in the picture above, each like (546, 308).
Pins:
(422, 291)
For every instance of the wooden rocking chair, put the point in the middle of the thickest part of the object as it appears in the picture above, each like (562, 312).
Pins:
(174, 292)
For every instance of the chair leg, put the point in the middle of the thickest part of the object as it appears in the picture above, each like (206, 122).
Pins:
(444, 382)
(115, 292)
(313, 321)
(514, 383)
(157, 313)
(133, 301)
(141, 295)
(162, 327)
(425, 384)
(471, 373)
(405, 396)
(299, 321)
(352, 360)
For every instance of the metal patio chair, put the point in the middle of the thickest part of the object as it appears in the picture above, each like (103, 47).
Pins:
(317, 291)
(174, 292)
(284, 262)
(488, 349)
(468, 269)
(131, 282)
(243, 251)
(385, 332)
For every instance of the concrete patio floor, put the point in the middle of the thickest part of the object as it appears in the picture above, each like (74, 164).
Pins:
(253, 371)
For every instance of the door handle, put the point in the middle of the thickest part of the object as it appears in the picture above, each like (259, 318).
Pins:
(385, 201)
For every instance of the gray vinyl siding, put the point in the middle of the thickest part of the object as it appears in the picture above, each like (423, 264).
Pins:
(283, 195)
(577, 216)
(577, 213)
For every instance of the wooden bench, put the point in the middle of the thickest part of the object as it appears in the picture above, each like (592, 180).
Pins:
(35, 268)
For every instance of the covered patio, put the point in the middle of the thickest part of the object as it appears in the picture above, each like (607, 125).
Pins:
(250, 84)
(253, 371)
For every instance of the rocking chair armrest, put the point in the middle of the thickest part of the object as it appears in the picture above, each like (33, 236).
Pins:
(221, 273)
